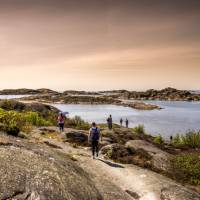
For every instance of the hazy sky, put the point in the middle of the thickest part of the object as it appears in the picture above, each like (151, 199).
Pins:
(100, 44)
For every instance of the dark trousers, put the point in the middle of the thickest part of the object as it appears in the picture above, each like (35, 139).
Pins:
(61, 126)
(110, 126)
(95, 147)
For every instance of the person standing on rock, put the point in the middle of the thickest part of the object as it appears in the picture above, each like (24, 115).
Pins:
(109, 121)
(127, 123)
(121, 122)
(94, 137)
(61, 121)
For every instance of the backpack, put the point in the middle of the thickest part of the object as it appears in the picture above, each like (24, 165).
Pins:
(95, 134)
(61, 119)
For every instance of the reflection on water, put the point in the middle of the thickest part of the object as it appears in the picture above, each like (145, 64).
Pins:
(175, 117)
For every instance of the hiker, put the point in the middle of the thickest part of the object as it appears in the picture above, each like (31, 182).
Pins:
(61, 121)
(94, 136)
(109, 121)
(127, 123)
(171, 139)
(121, 122)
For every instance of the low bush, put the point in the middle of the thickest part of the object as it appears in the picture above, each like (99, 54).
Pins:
(158, 139)
(13, 122)
(34, 119)
(190, 139)
(186, 168)
(6, 104)
(139, 129)
(77, 123)
(45, 111)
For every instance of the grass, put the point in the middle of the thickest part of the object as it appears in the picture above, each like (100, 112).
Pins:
(77, 123)
(158, 139)
(139, 129)
(186, 168)
(190, 139)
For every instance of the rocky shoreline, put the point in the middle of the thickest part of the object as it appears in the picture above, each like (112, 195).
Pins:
(167, 94)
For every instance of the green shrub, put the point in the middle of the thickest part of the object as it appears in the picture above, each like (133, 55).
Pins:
(13, 122)
(139, 129)
(176, 141)
(186, 168)
(34, 119)
(158, 139)
(190, 139)
(77, 123)
(6, 105)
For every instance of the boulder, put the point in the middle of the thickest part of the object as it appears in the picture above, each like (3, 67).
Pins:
(115, 151)
(76, 136)
(160, 159)
(36, 172)
(127, 155)
(119, 135)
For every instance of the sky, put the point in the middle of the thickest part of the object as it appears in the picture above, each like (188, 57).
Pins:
(100, 44)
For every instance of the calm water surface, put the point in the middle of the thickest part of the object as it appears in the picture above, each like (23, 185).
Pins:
(13, 96)
(176, 117)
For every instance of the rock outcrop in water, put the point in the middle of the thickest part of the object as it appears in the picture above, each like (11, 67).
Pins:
(66, 99)
(25, 91)
(167, 94)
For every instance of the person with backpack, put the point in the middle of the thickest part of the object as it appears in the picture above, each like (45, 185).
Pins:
(61, 121)
(94, 137)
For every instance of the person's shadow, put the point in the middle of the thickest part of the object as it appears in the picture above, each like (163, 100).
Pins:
(112, 164)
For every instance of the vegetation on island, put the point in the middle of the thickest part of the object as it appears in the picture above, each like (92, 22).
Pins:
(168, 94)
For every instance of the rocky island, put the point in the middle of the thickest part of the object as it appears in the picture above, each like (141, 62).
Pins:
(117, 97)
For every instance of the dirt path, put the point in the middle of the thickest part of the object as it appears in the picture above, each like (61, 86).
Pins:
(126, 182)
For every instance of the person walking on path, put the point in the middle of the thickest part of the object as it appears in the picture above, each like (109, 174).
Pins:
(109, 121)
(94, 137)
(127, 123)
(121, 122)
(61, 122)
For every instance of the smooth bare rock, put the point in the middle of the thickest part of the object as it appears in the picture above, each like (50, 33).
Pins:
(36, 172)
(175, 192)
(160, 159)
